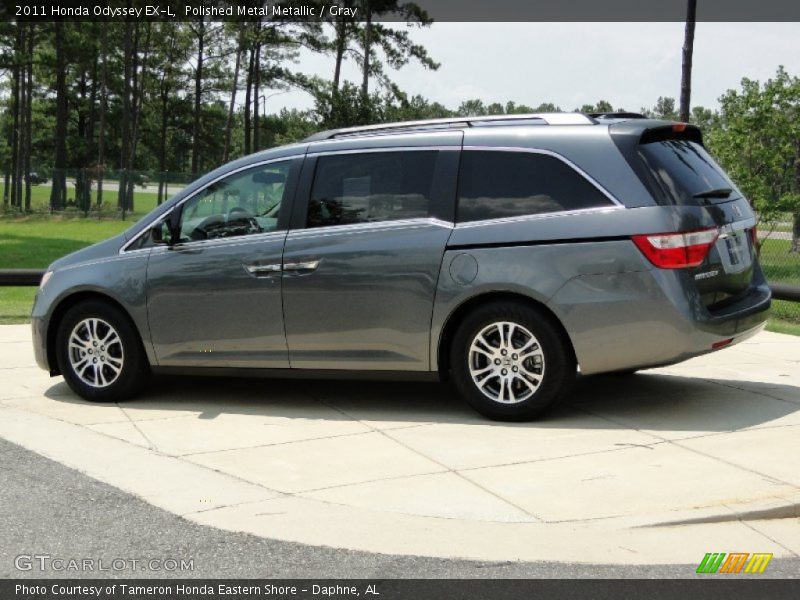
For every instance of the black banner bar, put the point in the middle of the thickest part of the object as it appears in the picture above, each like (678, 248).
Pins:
(438, 10)
(712, 588)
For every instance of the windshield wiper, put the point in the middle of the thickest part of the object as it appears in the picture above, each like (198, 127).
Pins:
(715, 193)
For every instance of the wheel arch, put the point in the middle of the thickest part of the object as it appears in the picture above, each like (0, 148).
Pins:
(66, 303)
(457, 316)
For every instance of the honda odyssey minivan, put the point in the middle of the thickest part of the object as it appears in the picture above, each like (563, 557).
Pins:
(503, 253)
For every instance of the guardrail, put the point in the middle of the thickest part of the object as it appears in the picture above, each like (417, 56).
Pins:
(32, 277)
(20, 277)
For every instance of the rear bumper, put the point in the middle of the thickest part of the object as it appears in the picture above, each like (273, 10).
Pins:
(650, 318)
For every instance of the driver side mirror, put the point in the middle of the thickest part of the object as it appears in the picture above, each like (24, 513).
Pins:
(167, 230)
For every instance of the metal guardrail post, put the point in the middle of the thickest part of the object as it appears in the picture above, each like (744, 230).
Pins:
(782, 291)
(20, 277)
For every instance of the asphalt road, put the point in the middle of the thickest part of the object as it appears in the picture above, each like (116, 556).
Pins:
(49, 509)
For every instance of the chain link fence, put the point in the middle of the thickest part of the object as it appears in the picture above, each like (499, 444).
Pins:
(780, 259)
(90, 191)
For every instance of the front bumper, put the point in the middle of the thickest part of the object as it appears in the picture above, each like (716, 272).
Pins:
(39, 335)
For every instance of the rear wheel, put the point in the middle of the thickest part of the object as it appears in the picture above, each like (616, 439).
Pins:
(100, 354)
(510, 362)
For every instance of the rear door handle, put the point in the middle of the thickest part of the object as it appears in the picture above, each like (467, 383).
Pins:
(299, 268)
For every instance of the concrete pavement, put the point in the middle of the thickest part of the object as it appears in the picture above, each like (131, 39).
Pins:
(49, 509)
(659, 467)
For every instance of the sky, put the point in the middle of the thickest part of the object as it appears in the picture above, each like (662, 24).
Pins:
(569, 64)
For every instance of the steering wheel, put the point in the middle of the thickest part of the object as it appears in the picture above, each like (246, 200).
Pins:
(244, 216)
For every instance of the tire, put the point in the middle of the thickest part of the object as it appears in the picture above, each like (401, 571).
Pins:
(97, 370)
(504, 394)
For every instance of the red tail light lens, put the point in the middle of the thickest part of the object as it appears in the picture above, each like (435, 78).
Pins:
(677, 250)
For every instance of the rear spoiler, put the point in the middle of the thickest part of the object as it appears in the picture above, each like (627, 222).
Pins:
(644, 131)
(673, 131)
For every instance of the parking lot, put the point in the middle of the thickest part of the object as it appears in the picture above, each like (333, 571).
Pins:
(658, 467)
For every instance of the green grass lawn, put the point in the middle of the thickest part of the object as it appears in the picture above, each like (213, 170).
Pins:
(778, 263)
(143, 202)
(35, 241)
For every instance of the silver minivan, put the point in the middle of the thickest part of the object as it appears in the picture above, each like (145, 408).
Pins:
(503, 253)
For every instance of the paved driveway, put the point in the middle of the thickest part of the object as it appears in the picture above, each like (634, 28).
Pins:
(659, 467)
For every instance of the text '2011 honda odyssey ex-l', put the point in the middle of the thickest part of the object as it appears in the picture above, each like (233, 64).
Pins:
(505, 253)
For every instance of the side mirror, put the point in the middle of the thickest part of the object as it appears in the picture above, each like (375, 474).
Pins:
(167, 230)
(157, 233)
(174, 223)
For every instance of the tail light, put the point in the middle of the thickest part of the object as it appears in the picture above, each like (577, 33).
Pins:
(677, 250)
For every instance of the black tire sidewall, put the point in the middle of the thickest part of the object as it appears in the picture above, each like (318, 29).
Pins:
(559, 361)
(135, 368)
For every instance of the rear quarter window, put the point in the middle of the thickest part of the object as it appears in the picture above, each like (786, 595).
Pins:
(499, 184)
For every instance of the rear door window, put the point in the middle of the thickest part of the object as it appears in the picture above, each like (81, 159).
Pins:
(682, 169)
(371, 187)
(498, 184)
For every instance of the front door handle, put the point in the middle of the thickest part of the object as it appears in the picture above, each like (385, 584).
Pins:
(299, 268)
(260, 270)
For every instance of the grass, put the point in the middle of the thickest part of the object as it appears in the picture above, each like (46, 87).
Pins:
(36, 241)
(143, 202)
(778, 263)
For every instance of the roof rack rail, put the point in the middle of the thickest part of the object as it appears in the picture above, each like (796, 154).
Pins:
(617, 115)
(453, 122)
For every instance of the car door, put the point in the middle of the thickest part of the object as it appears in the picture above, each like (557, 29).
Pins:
(214, 295)
(362, 259)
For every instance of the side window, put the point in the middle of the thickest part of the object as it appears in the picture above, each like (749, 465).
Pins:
(371, 187)
(498, 184)
(242, 204)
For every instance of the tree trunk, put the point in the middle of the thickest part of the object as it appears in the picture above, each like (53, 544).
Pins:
(80, 175)
(341, 42)
(28, 116)
(686, 71)
(137, 99)
(231, 106)
(162, 148)
(59, 189)
(247, 101)
(16, 114)
(127, 49)
(256, 93)
(101, 133)
(198, 89)
(367, 50)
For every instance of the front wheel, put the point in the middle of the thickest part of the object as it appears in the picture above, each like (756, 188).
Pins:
(510, 362)
(100, 354)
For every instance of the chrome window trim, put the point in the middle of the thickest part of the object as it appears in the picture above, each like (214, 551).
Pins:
(456, 147)
(224, 242)
(534, 217)
(353, 228)
(616, 204)
(152, 222)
